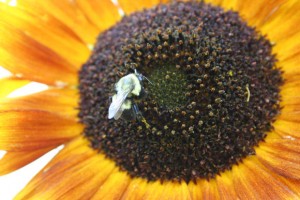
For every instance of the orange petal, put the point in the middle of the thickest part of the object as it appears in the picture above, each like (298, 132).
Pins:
(204, 189)
(290, 113)
(287, 48)
(178, 191)
(68, 12)
(102, 13)
(15, 160)
(214, 2)
(21, 54)
(293, 185)
(282, 156)
(137, 5)
(290, 100)
(283, 22)
(7, 85)
(226, 186)
(290, 67)
(24, 130)
(290, 91)
(75, 173)
(287, 128)
(141, 189)
(60, 101)
(254, 13)
(86, 186)
(118, 181)
(230, 4)
(253, 181)
(48, 31)
(295, 78)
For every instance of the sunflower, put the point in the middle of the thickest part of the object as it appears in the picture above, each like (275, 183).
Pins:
(215, 114)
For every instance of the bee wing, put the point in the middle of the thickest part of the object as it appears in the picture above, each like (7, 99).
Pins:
(115, 106)
(118, 114)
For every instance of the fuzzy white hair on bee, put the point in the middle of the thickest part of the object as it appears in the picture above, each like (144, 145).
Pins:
(130, 82)
(126, 87)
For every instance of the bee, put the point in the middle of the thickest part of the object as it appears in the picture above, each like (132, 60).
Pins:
(127, 87)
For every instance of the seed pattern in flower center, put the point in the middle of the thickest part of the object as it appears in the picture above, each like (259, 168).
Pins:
(212, 94)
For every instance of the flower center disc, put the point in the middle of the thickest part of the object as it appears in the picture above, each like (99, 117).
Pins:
(209, 94)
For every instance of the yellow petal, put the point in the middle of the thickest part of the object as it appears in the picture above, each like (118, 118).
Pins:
(141, 189)
(114, 187)
(255, 14)
(204, 189)
(214, 2)
(283, 21)
(287, 48)
(230, 4)
(290, 67)
(291, 91)
(287, 128)
(137, 5)
(7, 85)
(226, 186)
(292, 116)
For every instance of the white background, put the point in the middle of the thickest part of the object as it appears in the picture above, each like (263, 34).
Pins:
(12, 183)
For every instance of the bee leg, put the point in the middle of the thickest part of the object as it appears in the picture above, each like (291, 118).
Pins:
(137, 112)
(139, 116)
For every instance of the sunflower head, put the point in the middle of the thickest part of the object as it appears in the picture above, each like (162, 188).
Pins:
(202, 109)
